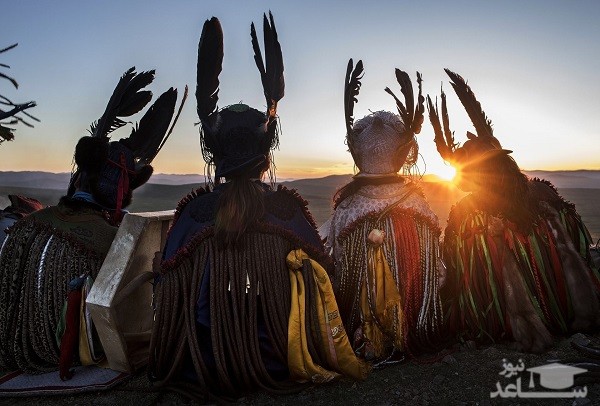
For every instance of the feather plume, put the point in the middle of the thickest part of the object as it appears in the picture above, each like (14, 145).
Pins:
(183, 100)
(147, 137)
(210, 62)
(412, 116)
(444, 149)
(418, 119)
(399, 105)
(352, 85)
(483, 125)
(272, 76)
(407, 90)
(125, 101)
(446, 122)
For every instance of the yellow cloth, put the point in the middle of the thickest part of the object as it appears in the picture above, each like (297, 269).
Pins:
(334, 340)
(85, 354)
(387, 301)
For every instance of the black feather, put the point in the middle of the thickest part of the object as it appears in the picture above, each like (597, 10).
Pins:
(399, 105)
(274, 60)
(210, 62)
(139, 81)
(417, 123)
(483, 125)
(136, 103)
(352, 85)
(123, 102)
(183, 100)
(446, 122)
(409, 98)
(271, 71)
(146, 139)
(443, 148)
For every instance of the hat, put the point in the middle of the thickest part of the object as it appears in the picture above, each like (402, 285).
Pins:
(237, 139)
(383, 142)
(243, 140)
(479, 147)
(111, 170)
(380, 144)
(556, 376)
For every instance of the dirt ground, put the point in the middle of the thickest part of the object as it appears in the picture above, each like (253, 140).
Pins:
(467, 376)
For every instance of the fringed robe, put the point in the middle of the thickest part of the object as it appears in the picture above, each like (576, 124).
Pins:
(41, 255)
(223, 315)
(505, 284)
(410, 301)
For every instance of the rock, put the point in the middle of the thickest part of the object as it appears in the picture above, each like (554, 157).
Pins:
(438, 379)
(491, 352)
(450, 360)
(580, 339)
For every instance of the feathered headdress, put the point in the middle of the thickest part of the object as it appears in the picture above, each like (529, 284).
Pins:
(111, 170)
(479, 146)
(405, 126)
(14, 109)
(237, 138)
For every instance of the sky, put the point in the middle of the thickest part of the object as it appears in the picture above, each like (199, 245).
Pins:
(532, 64)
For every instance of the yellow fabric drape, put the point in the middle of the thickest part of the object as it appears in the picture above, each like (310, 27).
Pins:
(380, 285)
(334, 340)
(85, 354)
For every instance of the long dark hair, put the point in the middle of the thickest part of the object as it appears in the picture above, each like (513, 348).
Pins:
(504, 190)
(240, 204)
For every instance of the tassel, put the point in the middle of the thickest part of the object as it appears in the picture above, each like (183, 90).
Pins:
(70, 339)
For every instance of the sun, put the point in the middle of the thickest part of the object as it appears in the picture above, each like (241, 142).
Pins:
(446, 172)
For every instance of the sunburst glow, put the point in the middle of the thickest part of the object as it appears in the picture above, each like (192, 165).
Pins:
(446, 172)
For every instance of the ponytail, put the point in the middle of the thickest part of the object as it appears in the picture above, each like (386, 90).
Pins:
(240, 204)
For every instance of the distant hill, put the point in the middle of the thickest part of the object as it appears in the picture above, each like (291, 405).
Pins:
(581, 179)
(165, 191)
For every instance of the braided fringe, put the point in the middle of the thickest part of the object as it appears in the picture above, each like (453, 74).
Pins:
(233, 313)
(36, 266)
(475, 295)
(411, 248)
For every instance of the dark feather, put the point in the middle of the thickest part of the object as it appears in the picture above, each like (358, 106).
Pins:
(446, 122)
(183, 100)
(399, 105)
(352, 85)
(443, 148)
(11, 80)
(8, 48)
(271, 71)
(123, 102)
(417, 123)
(210, 62)
(16, 109)
(483, 125)
(146, 139)
(134, 100)
(136, 103)
(274, 60)
(409, 98)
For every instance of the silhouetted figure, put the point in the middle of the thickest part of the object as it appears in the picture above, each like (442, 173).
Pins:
(517, 253)
(242, 298)
(53, 255)
(383, 233)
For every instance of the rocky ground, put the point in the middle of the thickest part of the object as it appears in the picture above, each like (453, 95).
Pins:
(467, 376)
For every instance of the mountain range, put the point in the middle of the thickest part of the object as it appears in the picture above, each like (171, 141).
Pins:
(578, 179)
